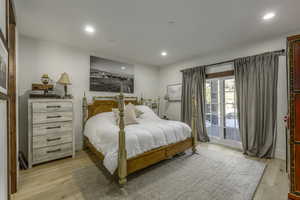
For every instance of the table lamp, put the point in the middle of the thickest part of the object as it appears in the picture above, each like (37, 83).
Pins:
(65, 81)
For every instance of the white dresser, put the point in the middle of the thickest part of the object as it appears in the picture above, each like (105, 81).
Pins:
(50, 130)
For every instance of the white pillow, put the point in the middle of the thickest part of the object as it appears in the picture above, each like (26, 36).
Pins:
(138, 113)
(148, 112)
(129, 115)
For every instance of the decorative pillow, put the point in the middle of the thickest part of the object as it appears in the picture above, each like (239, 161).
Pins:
(129, 115)
(148, 113)
(138, 113)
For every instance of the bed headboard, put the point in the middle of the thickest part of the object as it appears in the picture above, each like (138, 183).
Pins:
(102, 104)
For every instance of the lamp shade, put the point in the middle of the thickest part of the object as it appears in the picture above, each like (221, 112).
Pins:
(64, 79)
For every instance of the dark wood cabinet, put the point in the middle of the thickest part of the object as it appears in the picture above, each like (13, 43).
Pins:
(294, 115)
(296, 64)
(297, 117)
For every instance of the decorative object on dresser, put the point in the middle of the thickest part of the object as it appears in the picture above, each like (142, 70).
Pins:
(44, 90)
(65, 81)
(45, 79)
(42, 87)
(294, 117)
(50, 130)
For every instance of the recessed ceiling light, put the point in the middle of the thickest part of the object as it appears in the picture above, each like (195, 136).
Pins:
(89, 29)
(123, 67)
(171, 22)
(269, 16)
(164, 53)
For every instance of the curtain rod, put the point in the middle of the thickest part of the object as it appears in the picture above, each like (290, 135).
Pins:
(280, 52)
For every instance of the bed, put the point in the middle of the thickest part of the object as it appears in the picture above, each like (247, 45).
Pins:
(125, 150)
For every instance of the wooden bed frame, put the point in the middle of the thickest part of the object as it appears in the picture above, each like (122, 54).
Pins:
(126, 167)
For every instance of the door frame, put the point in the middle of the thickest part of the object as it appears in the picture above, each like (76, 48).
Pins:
(222, 76)
(10, 44)
(12, 106)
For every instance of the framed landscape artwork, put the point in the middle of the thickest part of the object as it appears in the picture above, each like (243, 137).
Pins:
(3, 20)
(108, 75)
(3, 68)
(174, 92)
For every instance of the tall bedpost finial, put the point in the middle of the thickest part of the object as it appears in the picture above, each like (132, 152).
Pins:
(122, 154)
(194, 118)
(84, 110)
(121, 88)
(158, 105)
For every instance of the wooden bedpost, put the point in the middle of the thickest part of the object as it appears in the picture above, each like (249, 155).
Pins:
(84, 116)
(194, 118)
(84, 111)
(122, 154)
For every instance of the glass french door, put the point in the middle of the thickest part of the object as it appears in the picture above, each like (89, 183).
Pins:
(221, 111)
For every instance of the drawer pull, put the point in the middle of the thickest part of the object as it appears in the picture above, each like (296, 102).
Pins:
(53, 127)
(54, 139)
(53, 106)
(51, 117)
(53, 151)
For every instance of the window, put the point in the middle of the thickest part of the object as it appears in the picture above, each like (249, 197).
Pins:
(221, 111)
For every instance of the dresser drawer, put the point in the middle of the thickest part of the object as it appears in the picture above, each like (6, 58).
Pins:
(51, 153)
(56, 127)
(39, 118)
(52, 106)
(51, 139)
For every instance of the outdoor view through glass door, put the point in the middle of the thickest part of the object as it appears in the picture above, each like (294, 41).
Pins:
(221, 111)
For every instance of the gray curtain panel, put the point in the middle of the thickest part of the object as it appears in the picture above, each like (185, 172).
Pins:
(193, 83)
(256, 90)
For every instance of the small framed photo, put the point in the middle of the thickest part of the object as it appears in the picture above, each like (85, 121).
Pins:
(3, 20)
(174, 92)
(3, 68)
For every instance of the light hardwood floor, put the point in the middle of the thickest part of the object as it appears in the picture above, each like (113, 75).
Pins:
(53, 181)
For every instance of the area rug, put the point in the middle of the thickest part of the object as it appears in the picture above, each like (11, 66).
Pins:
(209, 175)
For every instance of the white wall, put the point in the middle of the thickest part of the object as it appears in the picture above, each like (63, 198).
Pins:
(171, 75)
(3, 150)
(37, 57)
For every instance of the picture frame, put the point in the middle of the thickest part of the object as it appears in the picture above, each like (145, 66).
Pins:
(3, 68)
(111, 76)
(174, 92)
(4, 21)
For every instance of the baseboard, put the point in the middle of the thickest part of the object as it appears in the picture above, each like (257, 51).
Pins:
(280, 154)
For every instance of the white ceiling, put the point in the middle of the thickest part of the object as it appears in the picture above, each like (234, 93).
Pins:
(138, 30)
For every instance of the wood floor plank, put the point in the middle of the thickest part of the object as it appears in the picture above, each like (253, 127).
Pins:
(54, 181)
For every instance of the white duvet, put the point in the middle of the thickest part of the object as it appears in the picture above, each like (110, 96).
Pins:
(151, 132)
